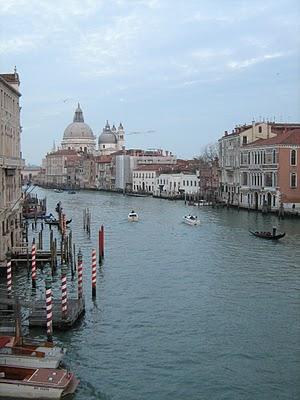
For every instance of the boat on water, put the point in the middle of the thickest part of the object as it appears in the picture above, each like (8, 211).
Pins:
(36, 383)
(58, 190)
(33, 354)
(71, 192)
(191, 220)
(133, 216)
(51, 221)
(268, 235)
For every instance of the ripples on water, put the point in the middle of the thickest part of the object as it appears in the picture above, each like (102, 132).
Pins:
(184, 312)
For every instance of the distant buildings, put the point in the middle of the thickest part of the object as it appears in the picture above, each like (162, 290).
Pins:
(11, 163)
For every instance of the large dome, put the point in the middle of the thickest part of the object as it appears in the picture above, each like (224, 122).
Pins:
(78, 129)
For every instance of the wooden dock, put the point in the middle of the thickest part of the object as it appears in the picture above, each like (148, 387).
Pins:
(37, 314)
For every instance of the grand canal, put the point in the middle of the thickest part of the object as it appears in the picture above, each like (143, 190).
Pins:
(183, 312)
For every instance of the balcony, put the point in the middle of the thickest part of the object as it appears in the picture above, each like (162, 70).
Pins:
(11, 162)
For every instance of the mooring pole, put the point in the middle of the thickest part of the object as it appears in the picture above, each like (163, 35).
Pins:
(102, 241)
(99, 246)
(94, 274)
(9, 275)
(64, 295)
(33, 264)
(48, 283)
(79, 275)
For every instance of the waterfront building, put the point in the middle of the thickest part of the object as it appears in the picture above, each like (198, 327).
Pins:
(270, 172)
(111, 139)
(172, 184)
(105, 178)
(56, 167)
(229, 154)
(78, 135)
(11, 164)
(145, 176)
(29, 173)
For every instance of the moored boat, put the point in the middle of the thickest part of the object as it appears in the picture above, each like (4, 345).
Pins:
(52, 221)
(33, 354)
(133, 216)
(191, 220)
(36, 383)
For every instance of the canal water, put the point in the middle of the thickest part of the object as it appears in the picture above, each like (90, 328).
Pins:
(183, 312)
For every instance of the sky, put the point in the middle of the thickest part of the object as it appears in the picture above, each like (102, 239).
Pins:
(186, 69)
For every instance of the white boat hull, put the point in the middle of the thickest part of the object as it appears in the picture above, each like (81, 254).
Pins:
(191, 222)
(18, 390)
(30, 361)
(133, 219)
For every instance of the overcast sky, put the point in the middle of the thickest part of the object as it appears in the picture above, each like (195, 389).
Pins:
(188, 69)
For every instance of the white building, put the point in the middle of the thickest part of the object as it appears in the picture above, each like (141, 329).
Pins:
(173, 184)
(144, 178)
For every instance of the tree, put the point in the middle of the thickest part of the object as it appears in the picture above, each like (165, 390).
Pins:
(209, 154)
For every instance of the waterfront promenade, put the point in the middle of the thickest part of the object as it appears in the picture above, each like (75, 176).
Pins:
(182, 312)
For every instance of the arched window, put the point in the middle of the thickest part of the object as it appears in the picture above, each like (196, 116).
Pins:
(293, 157)
(259, 129)
(274, 157)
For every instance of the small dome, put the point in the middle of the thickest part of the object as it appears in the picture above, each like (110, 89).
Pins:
(107, 138)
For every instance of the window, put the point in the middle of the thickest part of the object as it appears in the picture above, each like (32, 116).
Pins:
(244, 139)
(293, 157)
(183, 183)
(274, 157)
(259, 129)
(293, 180)
(244, 179)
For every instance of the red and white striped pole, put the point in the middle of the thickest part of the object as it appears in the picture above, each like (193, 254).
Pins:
(64, 296)
(94, 273)
(9, 276)
(33, 264)
(48, 283)
(79, 275)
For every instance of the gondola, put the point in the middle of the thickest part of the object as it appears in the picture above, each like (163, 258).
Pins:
(267, 235)
(56, 222)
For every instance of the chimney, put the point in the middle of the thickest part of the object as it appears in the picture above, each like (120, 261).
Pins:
(226, 133)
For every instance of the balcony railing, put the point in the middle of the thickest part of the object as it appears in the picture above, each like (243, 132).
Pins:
(11, 162)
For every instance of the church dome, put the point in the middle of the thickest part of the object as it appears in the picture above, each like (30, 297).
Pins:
(107, 136)
(78, 129)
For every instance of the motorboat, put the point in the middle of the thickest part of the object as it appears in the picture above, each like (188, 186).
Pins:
(33, 354)
(191, 220)
(268, 235)
(133, 216)
(36, 383)
(58, 190)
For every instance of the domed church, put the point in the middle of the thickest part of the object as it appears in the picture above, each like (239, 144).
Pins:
(78, 135)
(111, 139)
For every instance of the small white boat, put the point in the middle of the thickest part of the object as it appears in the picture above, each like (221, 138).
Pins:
(133, 216)
(36, 383)
(31, 354)
(57, 190)
(191, 220)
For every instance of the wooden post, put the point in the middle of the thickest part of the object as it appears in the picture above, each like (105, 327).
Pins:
(94, 273)
(33, 265)
(48, 284)
(102, 241)
(99, 246)
(64, 299)
(79, 276)
(27, 261)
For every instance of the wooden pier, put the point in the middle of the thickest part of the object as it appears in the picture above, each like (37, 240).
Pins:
(37, 314)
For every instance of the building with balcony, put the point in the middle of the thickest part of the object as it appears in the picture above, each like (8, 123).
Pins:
(230, 147)
(11, 164)
(270, 172)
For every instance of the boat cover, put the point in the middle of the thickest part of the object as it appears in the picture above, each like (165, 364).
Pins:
(4, 340)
